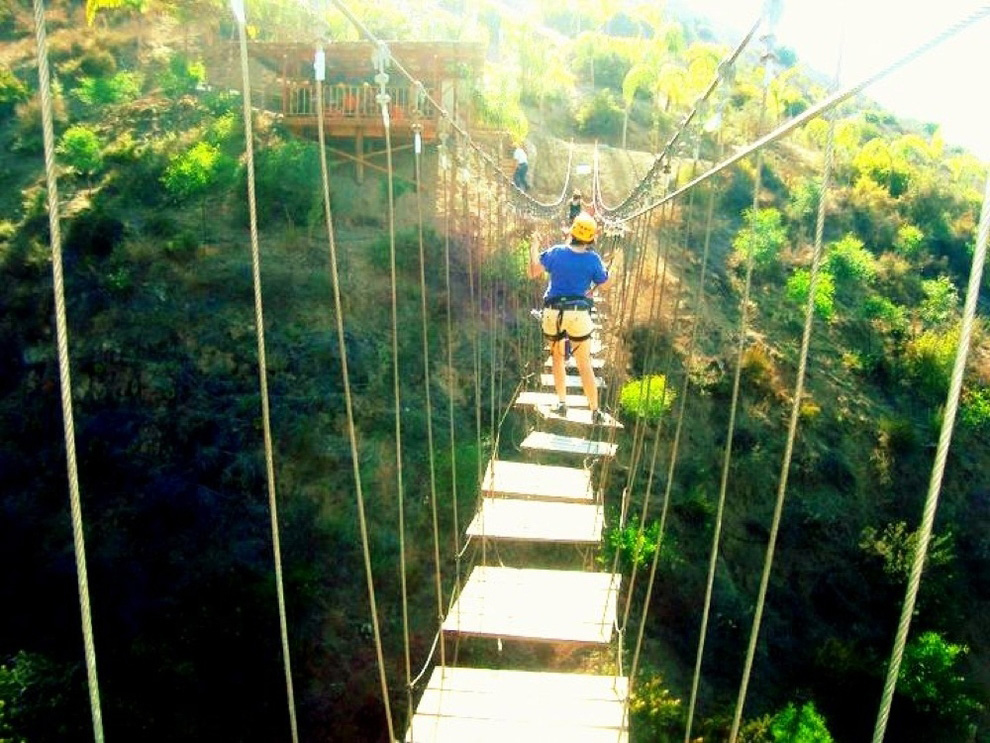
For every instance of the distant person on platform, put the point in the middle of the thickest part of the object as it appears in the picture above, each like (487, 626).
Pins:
(575, 271)
(522, 168)
(574, 207)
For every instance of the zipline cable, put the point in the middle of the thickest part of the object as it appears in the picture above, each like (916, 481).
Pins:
(259, 320)
(64, 371)
(938, 468)
(349, 406)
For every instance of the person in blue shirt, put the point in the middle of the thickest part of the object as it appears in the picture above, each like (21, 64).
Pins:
(575, 270)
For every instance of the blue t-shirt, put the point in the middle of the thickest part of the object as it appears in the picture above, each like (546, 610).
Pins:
(572, 273)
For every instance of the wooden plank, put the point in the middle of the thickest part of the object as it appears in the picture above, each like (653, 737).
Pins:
(478, 705)
(549, 398)
(538, 521)
(544, 441)
(540, 481)
(596, 345)
(570, 380)
(576, 415)
(551, 605)
(571, 363)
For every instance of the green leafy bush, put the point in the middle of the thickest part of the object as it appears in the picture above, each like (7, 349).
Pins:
(634, 549)
(12, 90)
(928, 361)
(80, 149)
(284, 178)
(941, 304)
(194, 172)
(897, 546)
(102, 91)
(182, 76)
(909, 241)
(655, 711)
(930, 679)
(804, 725)
(762, 237)
(851, 263)
(647, 397)
(601, 116)
(799, 284)
(975, 411)
(885, 315)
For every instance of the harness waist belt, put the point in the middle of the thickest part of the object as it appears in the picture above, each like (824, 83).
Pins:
(568, 303)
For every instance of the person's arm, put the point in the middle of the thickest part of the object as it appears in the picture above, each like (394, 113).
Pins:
(606, 283)
(535, 267)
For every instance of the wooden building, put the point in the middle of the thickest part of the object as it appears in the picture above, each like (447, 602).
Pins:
(351, 110)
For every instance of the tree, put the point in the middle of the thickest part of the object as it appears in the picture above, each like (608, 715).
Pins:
(805, 725)
(647, 397)
(194, 172)
(940, 307)
(929, 678)
(80, 149)
(761, 238)
(799, 285)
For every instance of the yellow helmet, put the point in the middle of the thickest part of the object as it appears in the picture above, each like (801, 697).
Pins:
(584, 228)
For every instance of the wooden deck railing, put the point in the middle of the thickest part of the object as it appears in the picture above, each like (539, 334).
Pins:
(353, 102)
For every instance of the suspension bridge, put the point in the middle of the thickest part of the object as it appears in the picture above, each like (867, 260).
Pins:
(552, 492)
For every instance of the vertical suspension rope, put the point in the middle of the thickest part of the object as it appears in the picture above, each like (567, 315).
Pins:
(720, 509)
(383, 99)
(259, 319)
(349, 406)
(938, 468)
(809, 314)
(64, 372)
(438, 578)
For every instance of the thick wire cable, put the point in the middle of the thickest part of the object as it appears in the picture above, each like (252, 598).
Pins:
(785, 467)
(259, 319)
(438, 577)
(383, 101)
(64, 372)
(938, 468)
(351, 429)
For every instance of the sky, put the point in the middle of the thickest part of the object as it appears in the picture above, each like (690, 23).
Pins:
(947, 85)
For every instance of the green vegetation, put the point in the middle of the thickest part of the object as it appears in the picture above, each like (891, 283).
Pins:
(165, 380)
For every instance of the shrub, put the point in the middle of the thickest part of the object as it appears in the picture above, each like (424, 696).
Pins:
(80, 149)
(285, 174)
(12, 90)
(897, 546)
(799, 284)
(193, 172)
(975, 411)
(941, 303)
(761, 238)
(101, 91)
(909, 241)
(601, 116)
(851, 263)
(885, 316)
(804, 725)
(654, 709)
(182, 76)
(647, 397)
(634, 549)
(929, 678)
(928, 361)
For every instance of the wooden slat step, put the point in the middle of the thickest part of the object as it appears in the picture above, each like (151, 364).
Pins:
(570, 380)
(545, 441)
(480, 705)
(571, 363)
(596, 346)
(576, 415)
(543, 482)
(549, 398)
(552, 605)
(538, 521)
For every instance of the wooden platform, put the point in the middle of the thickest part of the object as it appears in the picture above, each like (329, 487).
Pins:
(538, 521)
(478, 705)
(549, 398)
(570, 380)
(544, 441)
(577, 415)
(571, 363)
(552, 605)
(537, 481)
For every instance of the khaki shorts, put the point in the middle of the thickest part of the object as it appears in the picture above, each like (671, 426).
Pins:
(574, 324)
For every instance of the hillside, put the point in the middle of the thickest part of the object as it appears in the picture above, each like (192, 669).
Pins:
(160, 304)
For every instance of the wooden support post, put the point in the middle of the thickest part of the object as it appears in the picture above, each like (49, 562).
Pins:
(359, 154)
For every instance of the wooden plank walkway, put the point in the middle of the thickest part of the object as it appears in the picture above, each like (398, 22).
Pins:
(549, 398)
(538, 521)
(577, 415)
(572, 606)
(544, 441)
(570, 380)
(480, 705)
(571, 363)
(547, 482)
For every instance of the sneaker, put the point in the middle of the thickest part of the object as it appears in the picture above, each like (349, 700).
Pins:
(597, 417)
(560, 409)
